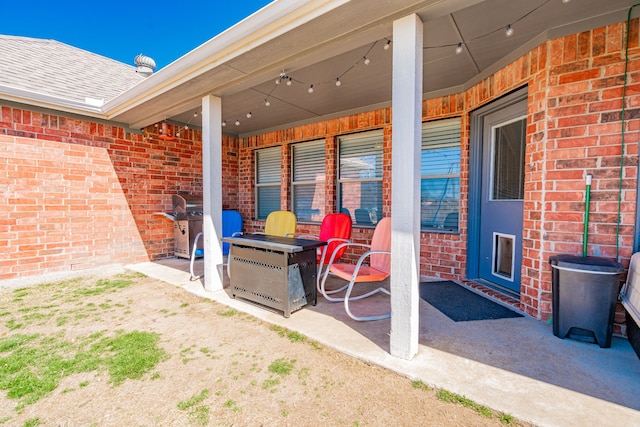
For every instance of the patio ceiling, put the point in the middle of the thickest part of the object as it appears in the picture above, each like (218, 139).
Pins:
(314, 42)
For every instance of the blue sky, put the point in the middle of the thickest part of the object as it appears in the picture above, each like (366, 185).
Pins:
(164, 30)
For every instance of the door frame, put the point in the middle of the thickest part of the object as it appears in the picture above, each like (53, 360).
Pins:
(475, 175)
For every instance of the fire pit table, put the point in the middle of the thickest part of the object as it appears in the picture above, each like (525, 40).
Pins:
(272, 271)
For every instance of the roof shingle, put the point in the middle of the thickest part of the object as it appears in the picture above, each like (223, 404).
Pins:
(56, 69)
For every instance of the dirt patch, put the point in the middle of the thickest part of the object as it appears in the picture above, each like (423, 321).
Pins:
(218, 366)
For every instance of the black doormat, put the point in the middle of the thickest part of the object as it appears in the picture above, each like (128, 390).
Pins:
(460, 304)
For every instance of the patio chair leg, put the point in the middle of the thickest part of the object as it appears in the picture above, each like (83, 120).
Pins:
(193, 257)
(359, 297)
(325, 293)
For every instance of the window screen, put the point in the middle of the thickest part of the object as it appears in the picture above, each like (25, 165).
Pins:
(360, 177)
(267, 181)
(308, 180)
(440, 170)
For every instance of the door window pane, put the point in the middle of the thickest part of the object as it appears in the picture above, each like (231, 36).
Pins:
(440, 171)
(508, 160)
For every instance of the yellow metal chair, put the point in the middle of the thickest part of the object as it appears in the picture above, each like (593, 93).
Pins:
(281, 223)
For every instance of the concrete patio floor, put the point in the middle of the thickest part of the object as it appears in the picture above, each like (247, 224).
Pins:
(512, 365)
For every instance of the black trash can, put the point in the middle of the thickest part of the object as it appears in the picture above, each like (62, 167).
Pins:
(584, 295)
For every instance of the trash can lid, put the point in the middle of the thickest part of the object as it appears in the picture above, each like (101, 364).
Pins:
(595, 264)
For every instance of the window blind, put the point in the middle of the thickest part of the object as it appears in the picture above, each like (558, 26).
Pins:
(268, 175)
(360, 177)
(361, 156)
(440, 170)
(308, 180)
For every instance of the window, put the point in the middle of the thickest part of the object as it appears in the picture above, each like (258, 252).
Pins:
(440, 171)
(360, 177)
(508, 160)
(267, 181)
(308, 180)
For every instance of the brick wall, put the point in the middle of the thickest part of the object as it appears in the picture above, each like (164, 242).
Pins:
(574, 129)
(78, 194)
(584, 85)
(329, 130)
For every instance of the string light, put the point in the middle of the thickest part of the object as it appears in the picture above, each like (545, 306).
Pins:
(459, 48)
(186, 127)
(509, 31)
(311, 87)
(283, 76)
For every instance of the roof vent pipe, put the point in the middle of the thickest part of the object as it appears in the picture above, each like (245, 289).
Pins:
(145, 65)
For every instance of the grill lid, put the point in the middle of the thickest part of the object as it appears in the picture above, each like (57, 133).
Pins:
(186, 204)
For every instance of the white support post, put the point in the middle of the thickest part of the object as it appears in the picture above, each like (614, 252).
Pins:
(212, 191)
(405, 190)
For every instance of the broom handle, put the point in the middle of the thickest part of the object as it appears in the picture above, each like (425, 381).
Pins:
(586, 216)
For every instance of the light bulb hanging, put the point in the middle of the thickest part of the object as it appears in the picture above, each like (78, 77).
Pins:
(224, 123)
(387, 45)
(509, 31)
(249, 115)
(338, 82)
(310, 90)
(367, 61)
(459, 48)
(237, 122)
(267, 103)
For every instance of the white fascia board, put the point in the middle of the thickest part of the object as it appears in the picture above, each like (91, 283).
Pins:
(274, 20)
(13, 94)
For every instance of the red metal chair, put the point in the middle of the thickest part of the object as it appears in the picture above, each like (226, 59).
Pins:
(335, 229)
(379, 268)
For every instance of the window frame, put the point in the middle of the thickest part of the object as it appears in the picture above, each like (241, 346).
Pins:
(378, 135)
(258, 185)
(455, 175)
(299, 184)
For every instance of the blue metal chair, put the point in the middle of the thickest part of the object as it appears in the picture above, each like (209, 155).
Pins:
(231, 224)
